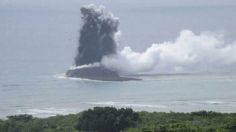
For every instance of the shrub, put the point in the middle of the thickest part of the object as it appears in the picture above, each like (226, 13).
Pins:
(23, 117)
(107, 119)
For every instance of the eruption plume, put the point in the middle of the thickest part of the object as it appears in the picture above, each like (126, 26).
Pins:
(189, 53)
(97, 40)
(99, 59)
(97, 35)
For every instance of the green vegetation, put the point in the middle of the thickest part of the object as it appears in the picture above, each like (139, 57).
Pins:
(109, 119)
(201, 121)
(23, 123)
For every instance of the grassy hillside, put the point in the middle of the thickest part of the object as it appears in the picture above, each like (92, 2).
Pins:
(109, 119)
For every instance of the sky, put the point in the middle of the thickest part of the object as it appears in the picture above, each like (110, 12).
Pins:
(49, 29)
(73, 3)
(167, 22)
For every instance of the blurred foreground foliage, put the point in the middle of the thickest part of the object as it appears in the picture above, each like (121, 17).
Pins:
(109, 119)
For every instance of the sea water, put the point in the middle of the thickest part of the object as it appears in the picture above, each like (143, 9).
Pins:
(51, 95)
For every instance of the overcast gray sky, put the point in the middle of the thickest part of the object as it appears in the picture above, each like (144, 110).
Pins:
(30, 27)
(64, 3)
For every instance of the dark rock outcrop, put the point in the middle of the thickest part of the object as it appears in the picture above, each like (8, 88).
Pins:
(97, 73)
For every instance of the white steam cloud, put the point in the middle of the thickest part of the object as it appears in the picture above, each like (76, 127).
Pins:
(189, 53)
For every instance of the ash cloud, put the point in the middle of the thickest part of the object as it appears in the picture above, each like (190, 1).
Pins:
(97, 35)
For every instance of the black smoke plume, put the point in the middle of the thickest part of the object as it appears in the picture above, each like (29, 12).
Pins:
(97, 35)
(97, 39)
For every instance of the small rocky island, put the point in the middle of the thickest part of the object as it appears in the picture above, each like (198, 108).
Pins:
(97, 73)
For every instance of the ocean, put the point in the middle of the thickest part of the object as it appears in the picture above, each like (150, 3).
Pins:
(49, 95)
(38, 44)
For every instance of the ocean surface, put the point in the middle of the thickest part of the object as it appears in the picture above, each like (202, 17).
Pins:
(38, 44)
(50, 95)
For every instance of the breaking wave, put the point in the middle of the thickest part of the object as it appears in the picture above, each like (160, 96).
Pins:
(122, 104)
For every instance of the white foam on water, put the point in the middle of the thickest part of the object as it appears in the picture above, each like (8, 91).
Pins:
(124, 104)
(214, 102)
(45, 112)
(64, 77)
(60, 76)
